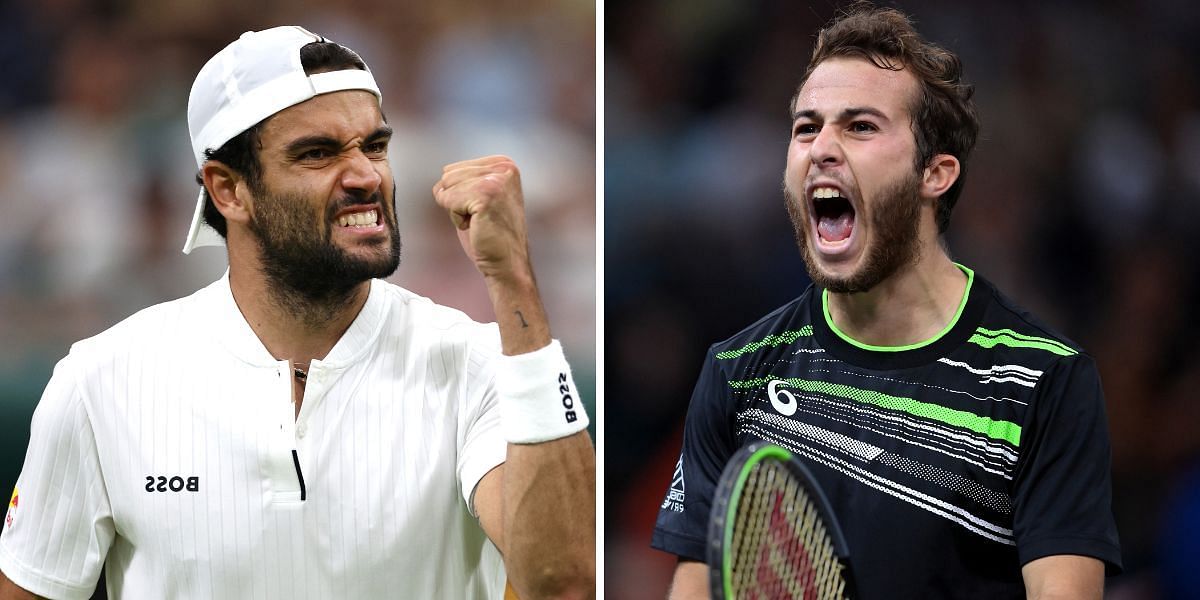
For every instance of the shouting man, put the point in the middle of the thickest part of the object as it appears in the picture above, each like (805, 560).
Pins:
(962, 443)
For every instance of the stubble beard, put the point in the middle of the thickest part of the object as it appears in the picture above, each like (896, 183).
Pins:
(896, 243)
(310, 276)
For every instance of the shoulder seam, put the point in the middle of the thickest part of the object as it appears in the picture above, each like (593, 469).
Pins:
(764, 318)
(1004, 304)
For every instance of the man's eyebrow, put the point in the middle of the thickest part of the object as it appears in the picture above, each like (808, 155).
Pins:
(806, 114)
(298, 145)
(857, 111)
(384, 131)
(846, 114)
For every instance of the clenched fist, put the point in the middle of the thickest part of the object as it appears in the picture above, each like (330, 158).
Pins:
(484, 199)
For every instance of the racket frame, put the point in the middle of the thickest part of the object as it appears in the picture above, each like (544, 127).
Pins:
(725, 504)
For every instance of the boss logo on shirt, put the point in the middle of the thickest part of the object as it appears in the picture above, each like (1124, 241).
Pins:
(162, 483)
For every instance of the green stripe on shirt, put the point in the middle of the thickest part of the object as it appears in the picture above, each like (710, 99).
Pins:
(996, 429)
(772, 340)
(988, 338)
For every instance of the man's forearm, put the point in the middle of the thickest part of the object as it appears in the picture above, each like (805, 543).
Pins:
(549, 488)
(519, 313)
(1064, 577)
(690, 581)
(550, 518)
(11, 591)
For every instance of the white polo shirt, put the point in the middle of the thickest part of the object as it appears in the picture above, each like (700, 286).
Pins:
(168, 448)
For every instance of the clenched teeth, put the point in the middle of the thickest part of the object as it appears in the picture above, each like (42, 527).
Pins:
(362, 219)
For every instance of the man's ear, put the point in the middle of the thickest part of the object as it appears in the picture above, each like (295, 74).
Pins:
(228, 191)
(939, 175)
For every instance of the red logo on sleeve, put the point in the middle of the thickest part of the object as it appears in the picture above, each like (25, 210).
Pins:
(12, 508)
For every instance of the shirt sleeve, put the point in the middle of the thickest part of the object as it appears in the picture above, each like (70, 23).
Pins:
(708, 443)
(483, 446)
(1062, 501)
(59, 525)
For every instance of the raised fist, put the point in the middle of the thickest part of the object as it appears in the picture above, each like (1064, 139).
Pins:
(483, 197)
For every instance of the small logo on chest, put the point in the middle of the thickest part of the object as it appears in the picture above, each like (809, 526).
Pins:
(177, 483)
(782, 400)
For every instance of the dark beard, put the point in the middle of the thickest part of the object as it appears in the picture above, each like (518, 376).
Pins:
(310, 276)
(895, 222)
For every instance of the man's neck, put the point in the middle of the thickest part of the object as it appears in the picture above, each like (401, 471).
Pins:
(913, 305)
(290, 326)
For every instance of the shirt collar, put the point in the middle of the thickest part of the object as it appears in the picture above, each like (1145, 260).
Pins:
(233, 333)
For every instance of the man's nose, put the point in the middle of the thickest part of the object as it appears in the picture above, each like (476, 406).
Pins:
(360, 173)
(826, 148)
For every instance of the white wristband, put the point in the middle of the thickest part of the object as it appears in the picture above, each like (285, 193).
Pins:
(538, 398)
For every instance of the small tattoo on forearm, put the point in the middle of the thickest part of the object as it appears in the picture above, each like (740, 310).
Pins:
(522, 317)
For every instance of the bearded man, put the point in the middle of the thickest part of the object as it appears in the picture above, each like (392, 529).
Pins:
(301, 428)
(962, 444)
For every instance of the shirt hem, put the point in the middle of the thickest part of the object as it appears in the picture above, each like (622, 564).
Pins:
(1101, 550)
(37, 583)
(679, 545)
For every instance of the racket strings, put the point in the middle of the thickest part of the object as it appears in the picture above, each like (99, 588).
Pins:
(781, 548)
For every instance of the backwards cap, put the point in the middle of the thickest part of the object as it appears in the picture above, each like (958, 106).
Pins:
(256, 76)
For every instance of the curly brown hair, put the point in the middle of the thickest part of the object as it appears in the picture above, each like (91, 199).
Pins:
(944, 118)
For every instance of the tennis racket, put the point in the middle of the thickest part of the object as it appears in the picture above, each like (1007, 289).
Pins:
(772, 535)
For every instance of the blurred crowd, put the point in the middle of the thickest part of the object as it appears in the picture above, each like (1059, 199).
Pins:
(97, 183)
(1081, 202)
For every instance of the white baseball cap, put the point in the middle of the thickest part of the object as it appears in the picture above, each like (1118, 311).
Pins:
(256, 76)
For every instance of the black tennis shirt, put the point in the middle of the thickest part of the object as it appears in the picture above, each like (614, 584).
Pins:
(949, 464)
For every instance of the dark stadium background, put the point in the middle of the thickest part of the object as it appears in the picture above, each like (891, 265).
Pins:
(97, 184)
(1082, 203)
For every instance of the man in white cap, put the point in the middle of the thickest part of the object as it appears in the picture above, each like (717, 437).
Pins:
(301, 428)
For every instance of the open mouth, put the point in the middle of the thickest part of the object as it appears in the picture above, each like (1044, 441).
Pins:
(368, 218)
(833, 213)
